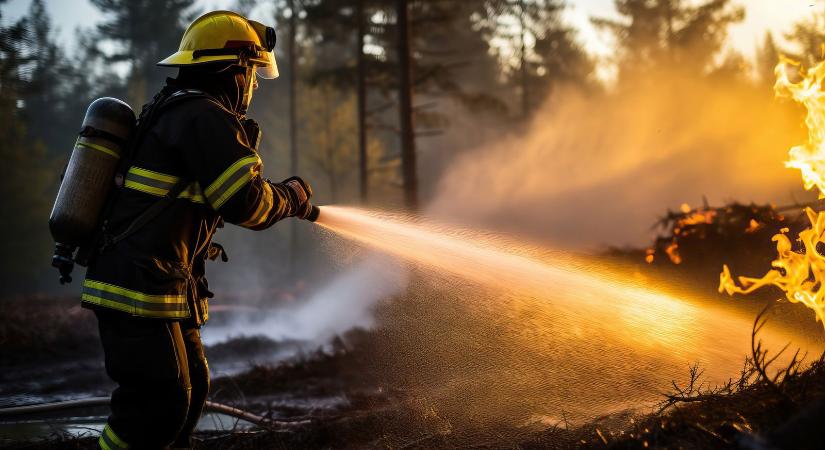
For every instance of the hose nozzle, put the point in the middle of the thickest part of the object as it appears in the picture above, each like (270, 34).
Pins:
(314, 212)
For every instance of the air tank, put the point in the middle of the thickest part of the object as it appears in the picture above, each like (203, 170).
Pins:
(88, 178)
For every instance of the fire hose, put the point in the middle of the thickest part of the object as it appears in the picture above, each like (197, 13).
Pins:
(104, 401)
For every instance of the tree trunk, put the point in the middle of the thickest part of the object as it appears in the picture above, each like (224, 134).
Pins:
(363, 181)
(408, 163)
(525, 99)
(293, 133)
(293, 127)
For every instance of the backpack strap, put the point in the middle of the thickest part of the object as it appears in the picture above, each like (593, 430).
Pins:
(147, 215)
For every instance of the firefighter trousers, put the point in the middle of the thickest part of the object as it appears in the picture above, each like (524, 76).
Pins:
(163, 380)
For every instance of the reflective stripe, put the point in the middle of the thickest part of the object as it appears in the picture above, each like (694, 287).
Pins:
(193, 193)
(134, 302)
(264, 207)
(232, 179)
(159, 184)
(110, 441)
(98, 147)
(149, 182)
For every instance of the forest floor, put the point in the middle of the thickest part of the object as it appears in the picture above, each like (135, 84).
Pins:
(341, 396)
(332, 401)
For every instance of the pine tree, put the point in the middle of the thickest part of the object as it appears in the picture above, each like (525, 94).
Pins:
(553, 58)
(656, 34)
(767, 57)
(808, 36)
(143, 32)
(27, 175)
(58, 91)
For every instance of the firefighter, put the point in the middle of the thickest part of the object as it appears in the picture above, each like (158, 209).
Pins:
(147, 288)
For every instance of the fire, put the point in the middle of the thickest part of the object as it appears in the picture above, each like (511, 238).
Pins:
(695, 217)
(753, 226)
(683, 225)
(800, 275)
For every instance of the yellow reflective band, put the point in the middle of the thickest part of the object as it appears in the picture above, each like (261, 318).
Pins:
(140, 296)
(154, 175)
(134, 310)
(100, 148)
(134, 302)
(232, 189)
(110, 441)
(145, 188)
(159, 184)
(262, 211)
(111, 434)
(232, 179)
(193, 193)
(88, 298)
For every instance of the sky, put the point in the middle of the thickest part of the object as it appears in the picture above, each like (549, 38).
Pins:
(776, 16)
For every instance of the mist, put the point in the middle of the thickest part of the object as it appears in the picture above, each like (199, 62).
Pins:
(590, 170)
(343, 303)
(597, 170)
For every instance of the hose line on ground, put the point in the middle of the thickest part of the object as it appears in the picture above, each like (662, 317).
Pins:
(104, 401)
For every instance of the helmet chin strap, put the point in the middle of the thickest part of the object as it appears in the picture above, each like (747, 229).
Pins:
(244, 83)
(246, 90)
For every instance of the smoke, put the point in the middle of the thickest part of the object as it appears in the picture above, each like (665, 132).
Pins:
(600, 169)
(344, 303)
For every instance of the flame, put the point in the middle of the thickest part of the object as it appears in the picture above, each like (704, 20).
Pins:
(650, 255)
(672, 251)
(810, 157)
(753, 226)
(800, 275)
(682, 227)
(697, 217)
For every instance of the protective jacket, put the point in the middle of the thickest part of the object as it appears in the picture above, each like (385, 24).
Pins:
(158, 272)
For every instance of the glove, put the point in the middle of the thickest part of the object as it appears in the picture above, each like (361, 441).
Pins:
(301, 192)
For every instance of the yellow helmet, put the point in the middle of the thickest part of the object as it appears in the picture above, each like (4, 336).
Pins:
(227, 36)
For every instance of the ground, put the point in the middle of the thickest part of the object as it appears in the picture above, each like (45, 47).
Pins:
(361, 391)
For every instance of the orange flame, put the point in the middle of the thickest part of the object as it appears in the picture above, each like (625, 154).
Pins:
(800, 275)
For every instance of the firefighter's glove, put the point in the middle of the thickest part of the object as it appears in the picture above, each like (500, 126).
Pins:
(300, 193)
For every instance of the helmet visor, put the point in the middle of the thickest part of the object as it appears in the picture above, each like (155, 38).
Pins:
(265, 65)
(265, 60)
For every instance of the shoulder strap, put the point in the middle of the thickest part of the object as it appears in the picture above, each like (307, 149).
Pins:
(188, 94)
(148, 214)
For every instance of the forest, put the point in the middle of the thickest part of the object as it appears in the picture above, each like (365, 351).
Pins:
(335, 115)
(481, 122)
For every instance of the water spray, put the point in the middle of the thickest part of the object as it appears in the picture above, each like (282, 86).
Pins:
(592, 297)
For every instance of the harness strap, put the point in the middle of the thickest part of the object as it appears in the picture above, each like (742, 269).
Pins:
(148, 214)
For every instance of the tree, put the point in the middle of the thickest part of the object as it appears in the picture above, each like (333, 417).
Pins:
(767, 57)
(656, 34)
(338, 31)
(58, 91)
(27, 175)
(142, 33)
(409, 171)
(334, 24)
(329, 116)
(808, 36)
(545, 48)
